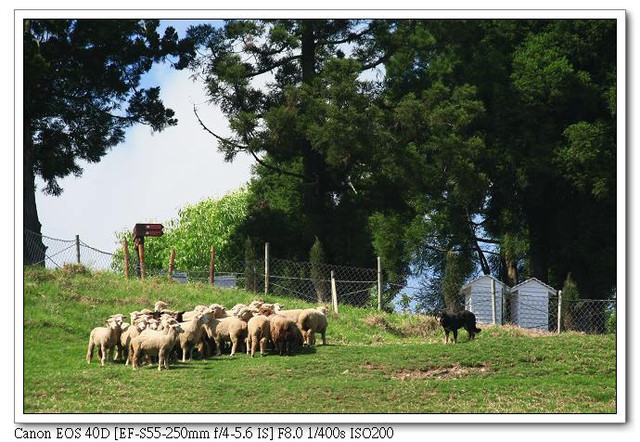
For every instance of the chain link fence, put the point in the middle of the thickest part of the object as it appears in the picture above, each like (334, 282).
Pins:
(353, 286)
(541, 312)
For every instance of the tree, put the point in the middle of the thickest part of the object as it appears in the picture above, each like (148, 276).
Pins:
(81, 91)
(294, 100)
(319, 275)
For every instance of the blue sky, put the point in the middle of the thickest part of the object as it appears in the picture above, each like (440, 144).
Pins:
(150, 176)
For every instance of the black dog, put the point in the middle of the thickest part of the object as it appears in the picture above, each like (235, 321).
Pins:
(451, 322)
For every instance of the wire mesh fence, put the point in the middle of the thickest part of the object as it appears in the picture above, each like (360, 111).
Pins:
(56, 253)
(540, 313)
(353, 286)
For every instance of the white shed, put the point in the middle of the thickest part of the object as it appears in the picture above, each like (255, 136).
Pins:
(478, 295)
(530, 304)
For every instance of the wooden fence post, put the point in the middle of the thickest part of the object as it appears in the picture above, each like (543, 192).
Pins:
(559, 310)
(493, 302)
(78, 249)
(125, 249)
(266, 268)
(379, 284)
(141, 255)
(334, 292)
(172, 260)
(212, 265)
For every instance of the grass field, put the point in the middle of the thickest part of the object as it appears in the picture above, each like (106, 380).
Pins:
(373, 363)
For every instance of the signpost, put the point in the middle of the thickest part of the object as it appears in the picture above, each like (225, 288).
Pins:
(141, 230)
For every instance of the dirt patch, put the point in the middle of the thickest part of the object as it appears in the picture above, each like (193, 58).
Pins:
(455, 371)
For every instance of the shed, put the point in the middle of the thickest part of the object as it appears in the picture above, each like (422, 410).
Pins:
(530, 304)
(477, 298)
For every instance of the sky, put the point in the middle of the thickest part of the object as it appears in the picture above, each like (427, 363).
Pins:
(150, 176)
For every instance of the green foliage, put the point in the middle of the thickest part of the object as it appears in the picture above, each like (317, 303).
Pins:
(456, 270)
(211, 222)
(250, 267)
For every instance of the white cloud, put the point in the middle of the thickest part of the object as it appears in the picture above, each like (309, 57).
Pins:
(150, 176)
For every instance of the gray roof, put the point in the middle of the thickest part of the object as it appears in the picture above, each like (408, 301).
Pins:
(551, 289)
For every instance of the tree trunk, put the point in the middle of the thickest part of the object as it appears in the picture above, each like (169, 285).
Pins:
(315, 192)
(34, 249)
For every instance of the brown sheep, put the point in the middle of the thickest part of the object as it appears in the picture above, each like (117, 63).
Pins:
(285, 334)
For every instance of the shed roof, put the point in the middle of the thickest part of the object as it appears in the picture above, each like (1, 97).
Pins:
(535, 280)
(470, 283)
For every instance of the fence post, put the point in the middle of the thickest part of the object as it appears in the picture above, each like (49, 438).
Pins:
(334, 292)
(172, 260)
(493, 302)
(212, 265)
(125, 247)
(141, 257)
(379, 285)
(266, 268)
(559, 310)
(78, 248)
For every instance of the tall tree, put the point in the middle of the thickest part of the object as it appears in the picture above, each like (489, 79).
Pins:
(81, 91)
(294, 100)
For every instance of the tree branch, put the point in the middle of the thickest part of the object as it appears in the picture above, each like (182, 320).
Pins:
(248, 149)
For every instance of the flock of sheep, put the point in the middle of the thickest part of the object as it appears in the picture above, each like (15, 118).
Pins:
(165, 334)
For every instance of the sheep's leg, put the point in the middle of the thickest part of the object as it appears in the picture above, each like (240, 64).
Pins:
(90, 352)
(234, 345)
(311, 337)
(263, 347)
(219, 344)
(103, 355)
(161, 359)
(324, 337)
(446, 336)
(184, 352)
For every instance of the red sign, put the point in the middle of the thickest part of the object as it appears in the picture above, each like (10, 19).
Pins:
(140, 230)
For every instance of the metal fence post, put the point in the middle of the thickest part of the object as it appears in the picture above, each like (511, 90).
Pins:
(493, 302)
(379, 284)
(266, 268)
(78, 248)
(334, 292)
(559, 310)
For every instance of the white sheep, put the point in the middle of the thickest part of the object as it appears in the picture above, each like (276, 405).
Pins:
(312, 321)
(223, 330)
(192, 333)
(258, 332)
(158, 344)
(105, 338)
(126, 337)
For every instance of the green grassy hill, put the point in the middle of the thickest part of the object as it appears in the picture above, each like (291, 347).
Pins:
(373, 363)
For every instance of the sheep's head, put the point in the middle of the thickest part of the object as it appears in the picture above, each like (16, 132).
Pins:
(236, 308)
(266, 311)
(277, 307)
(245, 314)
(217, 310)
(160, 305)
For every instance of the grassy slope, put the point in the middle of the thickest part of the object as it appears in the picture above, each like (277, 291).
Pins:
(373, 363)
